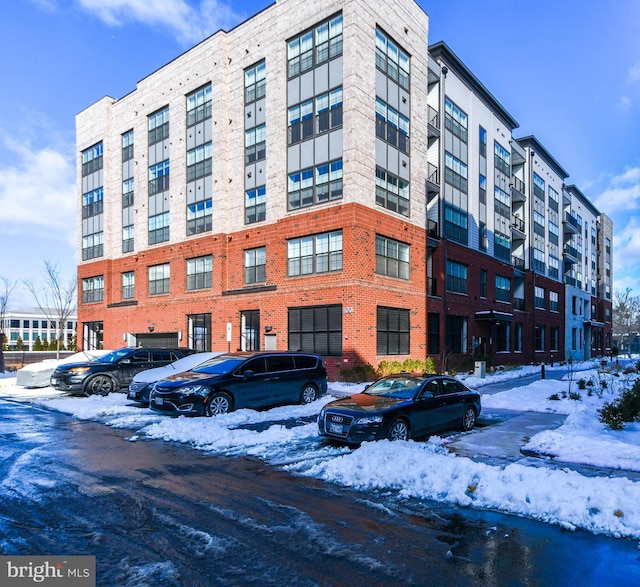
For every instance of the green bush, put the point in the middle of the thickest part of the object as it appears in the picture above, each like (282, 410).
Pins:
(622, 410)
(358, 374)
(407, 366)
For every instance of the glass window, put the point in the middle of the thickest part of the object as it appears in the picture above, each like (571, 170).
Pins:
(456, 277)
(159, 228)
(392, 331)
(316, 329)
(159, 126)
(128, 285)
(199, 271)
(127, 146)
(255, 205)
(255, 265)
(159, 279)
(503, 288)
(92, 291)
(255, 82)
(392, 60)
(315, 185)
(199, 217)
(392, 192)
(198, 105)
(315, 46)
(392, 257)
(314, 254)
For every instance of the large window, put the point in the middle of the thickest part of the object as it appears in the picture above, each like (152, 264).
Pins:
(199, 217)
(255, 265)
(539, 338)
(199, 328)
(255, 84)
(127, 238)
(455, 223)
(456, 277)
(93, 203)
(392, 257)
(315, 46)
(159, 279)
(392, 60)
(127, 146)
(93, 289)
(456, 121)
(392, 331)
(316, 329)
(255, 143)
(127, 192)
(502, 159)
(92, 246)
(554, 303)
(158, 126)
(199, 161)
(315, 185)
(92, 159)
(128, 285)
(255, 205)
(198, 105)
(456, 334)
(455, 172)
(159, 228)
(159, 177)
(503, 289)
(392, 192)
(538, 298)
(502, 246)
(314, 254)
(391, 126)
(315, 116)
(199, 272)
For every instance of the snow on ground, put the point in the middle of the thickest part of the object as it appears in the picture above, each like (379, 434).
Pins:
(287, 437)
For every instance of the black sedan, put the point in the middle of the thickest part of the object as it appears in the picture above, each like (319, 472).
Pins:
(399, 407)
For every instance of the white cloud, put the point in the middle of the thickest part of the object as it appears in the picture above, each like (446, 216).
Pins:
(191, 23)
(37, 191)
(634, 73)
(622, 193)
(624, 103)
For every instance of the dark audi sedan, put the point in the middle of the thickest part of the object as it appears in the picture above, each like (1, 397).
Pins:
(241, 380)
(399, 407)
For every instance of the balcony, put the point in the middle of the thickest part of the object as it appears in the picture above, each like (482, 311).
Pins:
(433, 181)
(433, 123)
(518, 263)
(571, 224)
(517, 190)
(517, 229)
(571, 254)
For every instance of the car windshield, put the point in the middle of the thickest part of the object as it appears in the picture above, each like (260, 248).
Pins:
(402, 387)
(219, 364)
(113, 357)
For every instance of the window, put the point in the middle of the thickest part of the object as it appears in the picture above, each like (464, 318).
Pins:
(554, 266)
(518, 337)
(553, 199)
(199, 217)
(456, 277)
(539, 338)
(93, 203)
(159, 279)
(392, 331)
(538, 261)
(316, 329)
(392, 192)
(199, 161)
(391, 126)
(483, 189)
(159, 177)
(255, 144)
(128, 285)
(502, 203)
(92, 291)
(127, 238)
(502, 246)
(455, 223)
(159, 126)
(255, 205)
(127, 192)
(456, 334)
(127, 146)
(392, 60)
(433, 333)
(199, 272)
(315, 116)
(455, 172)
(502, 159)
(538, 187)
(503, 334)
(255, 265)
(456, 121)
(92, 246)
(503, 289)
(315, 185)
(554, 304)
(483, 142)
(315, 46)
(92, 159)
(554, 338)
(392, 257)
(255, 82)
(539, 297)
(483, 283)
(159, 228)
(314, 254)
(198, 106)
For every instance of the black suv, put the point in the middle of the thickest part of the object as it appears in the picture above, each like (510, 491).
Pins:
(113, 370)
(241, 380)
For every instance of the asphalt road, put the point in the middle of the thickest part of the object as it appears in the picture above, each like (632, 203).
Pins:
(154, 513)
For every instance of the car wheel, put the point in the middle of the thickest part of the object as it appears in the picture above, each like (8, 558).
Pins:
(469, 419)
(219, 403)
(100, 385)
(399, 430)
(309, 394)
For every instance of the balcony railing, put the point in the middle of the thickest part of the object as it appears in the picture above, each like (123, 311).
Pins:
(434, 117)
(517, 184)
(518, 262)
(432, 174)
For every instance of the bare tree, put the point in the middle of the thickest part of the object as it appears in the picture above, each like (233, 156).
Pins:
(55, 299)
(6, 287)
(626, 311)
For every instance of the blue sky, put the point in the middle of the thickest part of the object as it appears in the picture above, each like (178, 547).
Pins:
(568, 71)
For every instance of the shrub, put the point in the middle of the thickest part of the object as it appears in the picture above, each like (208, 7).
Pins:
(407, 366)
(622, 410)
(358, 374)
(582, 384)
(574, 395)
(554, 397)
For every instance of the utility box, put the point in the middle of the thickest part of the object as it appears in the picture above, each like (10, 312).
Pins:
(480, 369)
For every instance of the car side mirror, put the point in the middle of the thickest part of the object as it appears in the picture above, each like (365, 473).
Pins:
(427, 395)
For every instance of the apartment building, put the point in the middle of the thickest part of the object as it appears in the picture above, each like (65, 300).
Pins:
(28, 325)
(319, 178)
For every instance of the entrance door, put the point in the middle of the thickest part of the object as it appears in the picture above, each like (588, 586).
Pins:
(250, 330)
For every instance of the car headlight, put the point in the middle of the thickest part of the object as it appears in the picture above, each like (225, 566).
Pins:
(79, 370)
(370, 420)
(195, 390)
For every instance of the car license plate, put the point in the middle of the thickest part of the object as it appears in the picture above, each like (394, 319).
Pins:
(335, 428)
(53, 381)
(159, 401)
